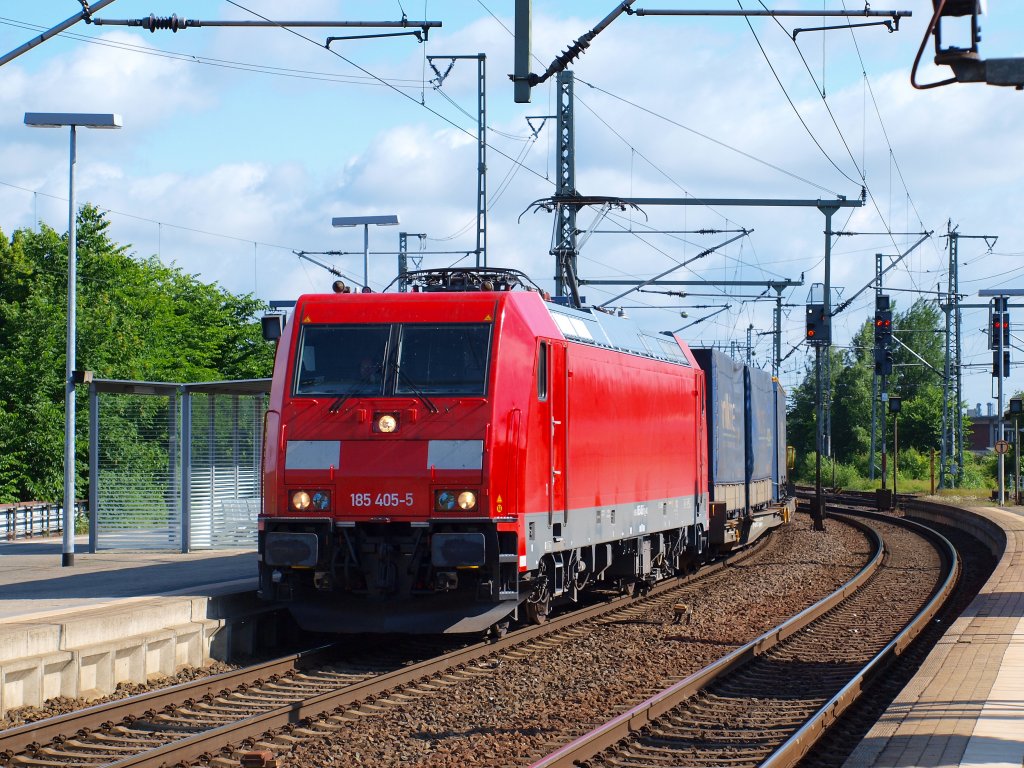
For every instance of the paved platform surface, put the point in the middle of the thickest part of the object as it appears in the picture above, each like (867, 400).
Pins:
(33, 584)
(118, 616)
(965, 706)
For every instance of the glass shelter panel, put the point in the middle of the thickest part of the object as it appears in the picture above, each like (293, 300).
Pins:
(175, 466)
(137, 494)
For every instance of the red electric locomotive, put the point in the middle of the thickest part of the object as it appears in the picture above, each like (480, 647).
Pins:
(443, 459)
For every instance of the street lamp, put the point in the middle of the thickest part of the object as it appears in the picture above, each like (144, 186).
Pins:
(72, 120)
(388, 220)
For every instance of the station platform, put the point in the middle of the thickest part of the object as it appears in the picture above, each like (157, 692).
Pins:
(117, 616)
(965, 705)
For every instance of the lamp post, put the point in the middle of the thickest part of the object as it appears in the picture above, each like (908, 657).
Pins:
(388, 220)
(895, 403)
(72, 120)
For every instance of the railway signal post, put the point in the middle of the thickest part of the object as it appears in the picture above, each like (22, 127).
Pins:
(818, 334)
(999, 342)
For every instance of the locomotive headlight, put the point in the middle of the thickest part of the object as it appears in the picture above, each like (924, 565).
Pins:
(453, 501)
(387, 423)
(301, 501)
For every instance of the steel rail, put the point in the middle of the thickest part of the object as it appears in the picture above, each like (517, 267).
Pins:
(200, 745)
(206, 743)
(42, 731)
(620, 727)
(790, 753)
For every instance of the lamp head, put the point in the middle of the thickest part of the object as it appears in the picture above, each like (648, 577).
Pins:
(76, 119)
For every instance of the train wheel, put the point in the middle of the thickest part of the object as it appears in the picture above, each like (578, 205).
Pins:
(538, 602)
(498, 630)
(537, 611)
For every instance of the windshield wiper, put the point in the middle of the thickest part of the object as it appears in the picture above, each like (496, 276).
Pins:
(427, 403)
(342, 399)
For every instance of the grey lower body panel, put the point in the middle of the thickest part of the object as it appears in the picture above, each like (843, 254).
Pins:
(546, 533)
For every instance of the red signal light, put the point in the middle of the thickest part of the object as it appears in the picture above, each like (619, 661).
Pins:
(810, 332)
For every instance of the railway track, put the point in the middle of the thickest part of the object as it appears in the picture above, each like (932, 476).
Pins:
(766, 703)
(205, 720)
(115, 730)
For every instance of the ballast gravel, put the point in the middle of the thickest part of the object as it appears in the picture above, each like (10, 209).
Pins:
(516, 707)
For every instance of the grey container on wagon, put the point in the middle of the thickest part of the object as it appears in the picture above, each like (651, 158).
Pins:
(724, 393)
(761, 429)
(745, 431)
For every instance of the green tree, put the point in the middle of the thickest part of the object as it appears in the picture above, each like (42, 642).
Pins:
(137, 319)
(851, 396)
(921, 329)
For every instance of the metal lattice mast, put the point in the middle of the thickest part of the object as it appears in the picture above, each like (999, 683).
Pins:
(403, 260)
(957, 415)
(951, 458)
(564, 246)
(777, 333)
(874, 379)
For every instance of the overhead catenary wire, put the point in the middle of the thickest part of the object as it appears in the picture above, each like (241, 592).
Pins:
(225, 63)
(149, 220)
(400, 92)
(832, 117)
(712, 139)
(396, 85)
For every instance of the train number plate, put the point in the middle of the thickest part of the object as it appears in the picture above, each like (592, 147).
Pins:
(388, 500)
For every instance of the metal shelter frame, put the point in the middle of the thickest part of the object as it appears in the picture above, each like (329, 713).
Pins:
(175, 466)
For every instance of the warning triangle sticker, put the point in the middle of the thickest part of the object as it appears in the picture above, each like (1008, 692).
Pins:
(499, 500)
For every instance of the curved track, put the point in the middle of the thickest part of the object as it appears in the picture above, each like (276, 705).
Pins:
(766, 703)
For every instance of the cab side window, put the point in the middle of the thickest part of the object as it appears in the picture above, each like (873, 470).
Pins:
(542, 371)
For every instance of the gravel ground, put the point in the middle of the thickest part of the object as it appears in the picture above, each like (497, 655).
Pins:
(63, 704)
(516, 706)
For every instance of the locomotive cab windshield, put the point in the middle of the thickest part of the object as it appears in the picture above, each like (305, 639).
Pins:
(397, 360)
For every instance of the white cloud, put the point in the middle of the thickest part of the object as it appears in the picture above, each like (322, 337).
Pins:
(270, 160)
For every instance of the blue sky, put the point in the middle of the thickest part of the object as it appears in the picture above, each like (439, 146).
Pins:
(239, 146)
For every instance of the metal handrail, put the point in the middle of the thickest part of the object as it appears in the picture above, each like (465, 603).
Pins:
(29, 519)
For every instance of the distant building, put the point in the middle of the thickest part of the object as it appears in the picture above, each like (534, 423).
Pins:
(984, 428)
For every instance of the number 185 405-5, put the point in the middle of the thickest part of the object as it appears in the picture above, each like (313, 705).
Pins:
(382, 500)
